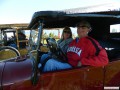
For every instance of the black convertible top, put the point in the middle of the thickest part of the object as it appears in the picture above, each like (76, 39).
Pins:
(58, 19)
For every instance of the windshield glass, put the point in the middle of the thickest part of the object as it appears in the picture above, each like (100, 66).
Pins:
(33, 39)
(1, 35)
(56, 34)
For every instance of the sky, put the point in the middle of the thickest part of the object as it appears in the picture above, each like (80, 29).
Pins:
(21, 11)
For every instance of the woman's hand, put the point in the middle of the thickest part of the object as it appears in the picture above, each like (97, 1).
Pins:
(79, 64)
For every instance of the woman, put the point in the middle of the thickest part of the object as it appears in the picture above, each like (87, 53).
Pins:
(87, 51)
(66, 38)
(81, 51)
(63, 43)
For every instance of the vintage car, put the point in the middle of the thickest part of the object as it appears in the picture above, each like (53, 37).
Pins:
(13, 39)
(13, 33)
(22, 73)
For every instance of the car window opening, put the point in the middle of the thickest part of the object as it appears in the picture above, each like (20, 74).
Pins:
(111, 42)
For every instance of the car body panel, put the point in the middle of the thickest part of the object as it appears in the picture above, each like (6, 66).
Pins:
(74, 79)
(95, 78)
(112, 74)
(17, 74)
(2, 64)
(85, 78)
(64, 80)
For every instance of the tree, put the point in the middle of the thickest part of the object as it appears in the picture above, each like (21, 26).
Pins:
(45, 35)
(51, 35)
(114, 30)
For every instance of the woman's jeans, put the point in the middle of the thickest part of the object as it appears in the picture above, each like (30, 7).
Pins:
(53, 64)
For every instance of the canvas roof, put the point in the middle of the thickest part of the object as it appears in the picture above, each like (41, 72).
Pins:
(110, 13)
(14, 26)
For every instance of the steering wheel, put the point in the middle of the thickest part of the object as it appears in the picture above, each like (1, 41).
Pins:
(55, 49)
(52, 45)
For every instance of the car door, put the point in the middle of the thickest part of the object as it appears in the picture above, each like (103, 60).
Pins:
(73, 79)
(85, 78)
(94, 78)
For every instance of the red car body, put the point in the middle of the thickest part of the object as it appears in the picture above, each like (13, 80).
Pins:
(18, 75)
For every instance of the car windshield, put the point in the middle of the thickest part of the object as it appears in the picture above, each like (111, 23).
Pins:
(33, 39)
(1, 35)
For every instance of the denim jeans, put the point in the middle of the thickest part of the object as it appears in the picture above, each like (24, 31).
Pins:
(43, 57)
(53, 64)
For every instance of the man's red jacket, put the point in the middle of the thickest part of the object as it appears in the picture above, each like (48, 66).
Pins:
(84, 51)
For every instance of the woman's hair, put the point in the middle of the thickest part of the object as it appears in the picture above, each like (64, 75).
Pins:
(68, 30)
